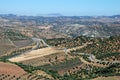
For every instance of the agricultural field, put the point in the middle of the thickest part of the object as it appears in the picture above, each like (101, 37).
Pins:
(64, 67)
(9, 71)
(108, 78)
(22, 43)
(61, 63)
(35, 54)
(48, 59)
(13, 43)
(63, 48)
(6, 46)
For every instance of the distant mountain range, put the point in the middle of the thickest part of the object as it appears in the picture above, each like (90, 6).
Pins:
(43, 15)
(51, 15)
(58, 15)
(59, 26)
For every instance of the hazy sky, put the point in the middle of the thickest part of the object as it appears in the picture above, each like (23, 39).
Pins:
(64, 7)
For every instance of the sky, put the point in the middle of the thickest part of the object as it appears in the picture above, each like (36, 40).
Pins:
(64, 7)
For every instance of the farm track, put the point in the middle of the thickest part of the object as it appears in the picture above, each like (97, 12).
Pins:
(79, 47)
(51, 50)
(91, 57)
(36, 52)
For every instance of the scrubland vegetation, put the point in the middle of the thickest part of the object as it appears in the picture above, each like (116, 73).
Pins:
(69, 39)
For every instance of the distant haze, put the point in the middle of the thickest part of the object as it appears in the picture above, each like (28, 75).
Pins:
(64, 7)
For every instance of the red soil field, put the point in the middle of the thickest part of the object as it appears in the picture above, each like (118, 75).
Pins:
(12, 69)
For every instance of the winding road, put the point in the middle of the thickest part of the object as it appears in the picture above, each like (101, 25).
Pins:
(37, 51)
(91, 57)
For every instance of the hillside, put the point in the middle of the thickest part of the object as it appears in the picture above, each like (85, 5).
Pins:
(73, 58)
(59, 48)
(61, 26)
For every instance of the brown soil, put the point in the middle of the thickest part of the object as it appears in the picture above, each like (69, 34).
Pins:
(12, 69)
(35, 54)
(108, 78)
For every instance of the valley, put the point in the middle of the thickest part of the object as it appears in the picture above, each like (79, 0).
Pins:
(59, 48)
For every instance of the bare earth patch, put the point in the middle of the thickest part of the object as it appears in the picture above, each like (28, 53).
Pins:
(12, 69)
(35, 54)
(108, 78)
